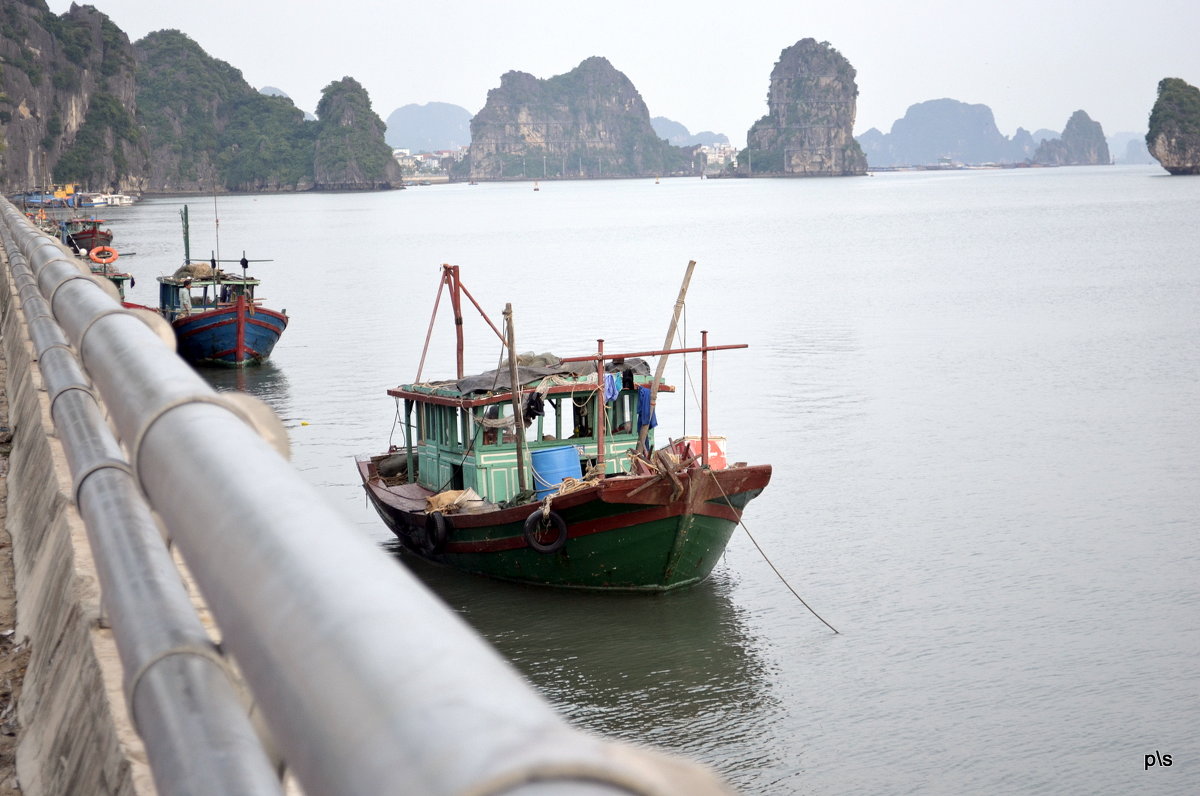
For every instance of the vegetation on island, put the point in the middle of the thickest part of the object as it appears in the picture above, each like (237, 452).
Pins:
(1176, 109)
(206, 124)
(208, 129)
(350, 145)
(1174, 135)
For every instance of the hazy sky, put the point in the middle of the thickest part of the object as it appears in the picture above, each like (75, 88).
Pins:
(703, 63)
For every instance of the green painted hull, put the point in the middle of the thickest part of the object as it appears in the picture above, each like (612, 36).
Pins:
(618, 536)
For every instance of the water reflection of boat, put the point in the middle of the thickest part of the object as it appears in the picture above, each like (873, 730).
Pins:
(266, 382)
(676, 667)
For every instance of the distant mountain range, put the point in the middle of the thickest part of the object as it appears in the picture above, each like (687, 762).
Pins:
(949, 130)
(1130, 148)
(431, 127)
(946, 130)
(675, 133)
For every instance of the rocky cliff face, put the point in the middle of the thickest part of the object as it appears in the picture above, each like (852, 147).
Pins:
(350, 152)
(1082, 144)
(80, 104)
(1174, 136)
(66, 94)
(809, 128)
(589, 122)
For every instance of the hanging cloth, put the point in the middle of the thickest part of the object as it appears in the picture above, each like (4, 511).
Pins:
(612, 387)
(646, 417)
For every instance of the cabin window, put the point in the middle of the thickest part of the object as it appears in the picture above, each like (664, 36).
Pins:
(467, 428)
(620, 414)
(583, 415)
(492, 435)
(422, 416)
(447, 426)
(549, 426)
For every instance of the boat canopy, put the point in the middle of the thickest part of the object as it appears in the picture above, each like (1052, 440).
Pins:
(532, 370)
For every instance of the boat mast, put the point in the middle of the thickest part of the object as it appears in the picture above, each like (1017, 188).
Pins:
(450, 280)
(518, 419)
(643, 431)
(217, 253)
(187, 244)
(456, 306)
(601, 406)
(704, 398)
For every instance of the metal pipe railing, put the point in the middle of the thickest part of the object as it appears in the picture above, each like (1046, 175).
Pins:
(368, 684)
(183, 701)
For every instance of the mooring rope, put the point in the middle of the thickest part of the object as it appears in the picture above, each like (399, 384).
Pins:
(768, 560)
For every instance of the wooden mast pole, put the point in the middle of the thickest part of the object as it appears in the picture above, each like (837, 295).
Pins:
(643, 431)
(704, 398)
(518, 419)
(456, 304)
(601, 406)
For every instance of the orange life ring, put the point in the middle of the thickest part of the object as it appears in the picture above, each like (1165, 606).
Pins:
(103, 255)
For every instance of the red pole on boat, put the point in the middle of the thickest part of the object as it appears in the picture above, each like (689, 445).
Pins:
(601, 407)
(239, 348)
(703, 398)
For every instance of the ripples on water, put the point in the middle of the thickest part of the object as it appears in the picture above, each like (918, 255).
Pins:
(978, 392)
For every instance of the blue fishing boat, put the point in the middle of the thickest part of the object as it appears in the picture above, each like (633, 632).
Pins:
(215, 315)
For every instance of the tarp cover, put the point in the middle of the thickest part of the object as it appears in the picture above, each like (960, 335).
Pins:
(533, 368)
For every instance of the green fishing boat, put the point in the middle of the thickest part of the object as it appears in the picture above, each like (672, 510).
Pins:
(546, 471)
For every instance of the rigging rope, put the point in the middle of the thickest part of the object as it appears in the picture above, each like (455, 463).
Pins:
(771, 565)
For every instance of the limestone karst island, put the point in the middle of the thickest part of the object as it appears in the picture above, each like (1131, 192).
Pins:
(81, 104)
(1174, 136)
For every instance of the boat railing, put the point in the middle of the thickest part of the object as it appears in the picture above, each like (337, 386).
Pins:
(365, 681)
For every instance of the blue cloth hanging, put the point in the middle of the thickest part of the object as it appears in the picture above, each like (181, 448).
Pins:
(612, 387)
(646, 417)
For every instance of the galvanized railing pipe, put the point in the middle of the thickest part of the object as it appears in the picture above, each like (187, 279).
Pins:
(368, 683)
(186, 707)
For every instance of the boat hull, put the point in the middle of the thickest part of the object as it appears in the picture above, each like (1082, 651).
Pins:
(233, 336)
(91, 238)
(627, 533)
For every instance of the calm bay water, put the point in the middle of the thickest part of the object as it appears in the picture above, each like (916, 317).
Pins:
(978, 391)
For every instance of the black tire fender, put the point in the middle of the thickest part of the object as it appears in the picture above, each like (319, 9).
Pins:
(437, 528)
(535, 523)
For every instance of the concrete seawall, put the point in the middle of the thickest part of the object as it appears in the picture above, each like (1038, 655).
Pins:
(75, 734)
(398, 695)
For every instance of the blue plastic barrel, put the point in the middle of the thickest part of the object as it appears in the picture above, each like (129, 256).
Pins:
(551, 466)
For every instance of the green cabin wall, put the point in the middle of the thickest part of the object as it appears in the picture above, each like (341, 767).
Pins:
(452, 452)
